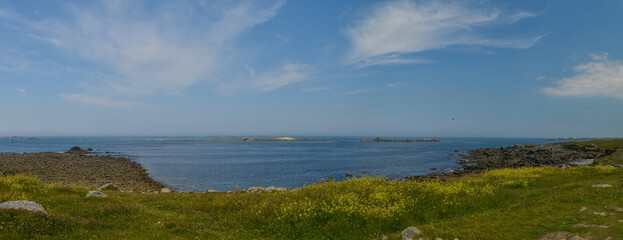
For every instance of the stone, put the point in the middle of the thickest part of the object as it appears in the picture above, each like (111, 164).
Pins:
(25, 205)
(255, 189)
(108, 186)
(583, 162)
(96, 194)
(212, 191)
(583, 209)
(280, 189)
(590, 225)
(270, 189)
(601, 185)
(385, 238)
(438, 239)
(165, 190)
(410, 233)
(600, 213)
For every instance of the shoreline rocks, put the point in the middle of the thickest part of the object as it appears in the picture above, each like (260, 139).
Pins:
(91, 171)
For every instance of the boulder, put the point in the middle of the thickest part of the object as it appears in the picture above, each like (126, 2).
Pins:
(212, 191)
(25, 205)
(96, 194)
(270, 189)
(410, 233)
(165, 190)
(108, 186)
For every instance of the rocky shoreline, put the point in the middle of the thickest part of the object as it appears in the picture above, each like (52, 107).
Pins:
(530, 155)
(87, 170)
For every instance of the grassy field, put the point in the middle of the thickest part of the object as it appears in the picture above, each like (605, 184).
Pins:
(500, 204)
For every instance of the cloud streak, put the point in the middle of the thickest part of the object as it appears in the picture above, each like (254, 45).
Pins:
(160, 52)
(397, 28)
(600, 77)
(99, 100)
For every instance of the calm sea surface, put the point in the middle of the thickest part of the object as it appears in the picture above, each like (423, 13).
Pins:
(185, 165)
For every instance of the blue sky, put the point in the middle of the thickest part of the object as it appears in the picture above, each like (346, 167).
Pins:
(391, 68)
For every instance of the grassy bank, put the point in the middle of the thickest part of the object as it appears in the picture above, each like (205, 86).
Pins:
(500, 204)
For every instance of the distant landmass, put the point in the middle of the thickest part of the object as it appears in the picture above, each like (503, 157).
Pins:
(380, 139)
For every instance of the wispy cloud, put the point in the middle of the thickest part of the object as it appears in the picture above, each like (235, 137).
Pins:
(355, 92)
(397, 28)
(163, 51)
(599, 77)
(20, 90)
(255, 82)
(101, 101)
(318, 89)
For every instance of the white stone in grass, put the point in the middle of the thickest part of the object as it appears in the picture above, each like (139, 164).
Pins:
(583, 209)
(97, 194)
(410, 233)
(165, 190)
(601, 185)
(25, 205)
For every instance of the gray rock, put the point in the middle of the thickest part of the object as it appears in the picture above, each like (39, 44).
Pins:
(97, 194)
(410, 233)
(601, 185)
(25, 205)
(583, 162)
(108, 186)
(270, 189)
(165, 190)
(385, 238)
(212, 191)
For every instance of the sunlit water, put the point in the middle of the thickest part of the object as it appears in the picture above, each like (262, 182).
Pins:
(185, 165)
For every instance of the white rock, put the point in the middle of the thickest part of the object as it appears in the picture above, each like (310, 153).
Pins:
(165, 190)
(108, 186)
(25, 205)
(212, 191)
(583, 209)
(98, 194)
(410, 233)
(602, 185)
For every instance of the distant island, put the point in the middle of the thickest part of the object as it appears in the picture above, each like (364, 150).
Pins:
(283, 139)
(380, 139)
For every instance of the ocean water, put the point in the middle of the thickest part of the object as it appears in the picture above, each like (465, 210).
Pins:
(187, 165)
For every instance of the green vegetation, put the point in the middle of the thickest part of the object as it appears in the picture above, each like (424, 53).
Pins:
(614, 149)
(521, 203)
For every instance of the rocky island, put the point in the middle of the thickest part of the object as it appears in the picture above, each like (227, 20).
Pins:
(282, 139)
(380, 139)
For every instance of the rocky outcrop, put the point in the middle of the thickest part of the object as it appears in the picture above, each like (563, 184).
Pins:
(530, 155)
(91, 171)
(25, 205)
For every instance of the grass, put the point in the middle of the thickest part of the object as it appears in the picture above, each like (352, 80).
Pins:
(501, 204)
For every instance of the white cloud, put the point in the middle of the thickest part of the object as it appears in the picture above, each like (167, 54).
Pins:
(20, 90)
(288, 73)
(401, 27)
(101, 101)
(163, 51)
(600, 77)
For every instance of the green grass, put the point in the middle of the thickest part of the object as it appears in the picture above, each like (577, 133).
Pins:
(615, 147)
(501, 204)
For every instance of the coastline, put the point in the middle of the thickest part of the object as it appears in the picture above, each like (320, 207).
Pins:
(93, 170)
(90, 171)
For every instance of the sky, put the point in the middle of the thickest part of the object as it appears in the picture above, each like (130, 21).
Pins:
(533, 68)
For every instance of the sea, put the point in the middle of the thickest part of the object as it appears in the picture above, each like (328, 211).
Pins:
(194, 166)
